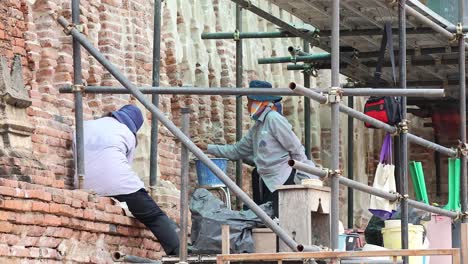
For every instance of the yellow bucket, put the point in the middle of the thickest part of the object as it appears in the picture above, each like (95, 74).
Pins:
(392, 240)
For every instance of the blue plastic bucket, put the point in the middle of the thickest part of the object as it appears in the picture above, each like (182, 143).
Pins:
(205, 176)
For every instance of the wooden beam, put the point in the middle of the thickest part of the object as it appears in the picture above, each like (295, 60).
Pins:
(225, 241)
(454, 252)
(464, 242)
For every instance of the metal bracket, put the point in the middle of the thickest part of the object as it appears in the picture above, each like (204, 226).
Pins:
(403, 126)
(337, 172)
(334, 95)
(247, 4)
(459, 28)
(78, 88)
(236, 35)
(310, 70)
(458, 33)
(80, 181)
(462, 149)
(78, 27)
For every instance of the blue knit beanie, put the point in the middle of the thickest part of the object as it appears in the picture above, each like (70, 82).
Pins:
(263, 98)
(131, 116)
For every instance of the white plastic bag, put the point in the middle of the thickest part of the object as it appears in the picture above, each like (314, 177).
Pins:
(384, 180)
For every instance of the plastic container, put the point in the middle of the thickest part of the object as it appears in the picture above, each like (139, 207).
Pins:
(206, 177)
(392, 240)
(342, 242)
(392, 223)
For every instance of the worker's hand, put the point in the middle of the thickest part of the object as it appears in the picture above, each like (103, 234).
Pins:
(201, 144)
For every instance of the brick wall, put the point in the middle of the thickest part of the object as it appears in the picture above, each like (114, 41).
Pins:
(56, 226)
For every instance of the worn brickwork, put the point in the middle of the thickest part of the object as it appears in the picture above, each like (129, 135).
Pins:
(57, 226)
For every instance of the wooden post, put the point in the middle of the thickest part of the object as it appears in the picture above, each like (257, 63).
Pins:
(225, 241)
(464, 243)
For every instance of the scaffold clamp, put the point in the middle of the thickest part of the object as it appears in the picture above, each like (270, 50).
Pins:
(462, 149)
(78, 27)
(459, 30)
(334, 95)
(310, 70)
(403, 126)
(337, 172)
(78, 88)
(236, 35)
(247, 4)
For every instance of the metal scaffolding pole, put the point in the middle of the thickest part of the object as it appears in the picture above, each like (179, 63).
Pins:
(239, 115)
(412, 12)
(118, 256)
(335, 125)
(155, 98)
(350, 170)
(307, 58)
(462, 61)
(247, 35)
(314, 33)
(77, 89)
(369, 189)
(416, 92)
(376, 123)
(184, 186)
(403, 126)
(374, 91)
(181, 136)
(307, 127)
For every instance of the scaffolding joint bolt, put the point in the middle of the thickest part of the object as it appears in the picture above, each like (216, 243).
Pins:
(247, 4)
(403, 126)
(78, 88)
(79, 27)
(462, 149)
(236, 35)
(336, 173)
(334, 95)
(310, 70)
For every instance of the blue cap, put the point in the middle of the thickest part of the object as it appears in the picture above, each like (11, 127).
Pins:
(263, 98)
(131, 116)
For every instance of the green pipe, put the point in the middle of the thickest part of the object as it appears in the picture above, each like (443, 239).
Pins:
(313, 57)
(250, 35)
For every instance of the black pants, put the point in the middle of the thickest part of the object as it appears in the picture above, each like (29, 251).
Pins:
(145, 209)
(261, 193)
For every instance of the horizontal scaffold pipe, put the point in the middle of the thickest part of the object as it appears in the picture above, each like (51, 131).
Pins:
(248, 35)
(412, 12)
(369, 189)
(375, 91)
(283, 235)
(257, 91)
(453, 29)
(316, 33)
(376, 123)
(308, 58)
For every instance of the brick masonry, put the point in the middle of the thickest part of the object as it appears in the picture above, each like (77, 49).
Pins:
(42, 218)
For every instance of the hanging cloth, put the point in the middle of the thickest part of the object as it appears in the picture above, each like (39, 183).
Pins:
(384, 180)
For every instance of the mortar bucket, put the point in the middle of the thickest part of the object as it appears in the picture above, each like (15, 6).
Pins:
(206, 177)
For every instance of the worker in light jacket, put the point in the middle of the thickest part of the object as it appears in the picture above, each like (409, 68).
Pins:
(268, 145)
(109, 148)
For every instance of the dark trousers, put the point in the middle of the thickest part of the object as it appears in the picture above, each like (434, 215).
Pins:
(145, 209)
(261, 193)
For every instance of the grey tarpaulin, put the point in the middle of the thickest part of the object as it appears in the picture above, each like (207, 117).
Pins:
(209, 214)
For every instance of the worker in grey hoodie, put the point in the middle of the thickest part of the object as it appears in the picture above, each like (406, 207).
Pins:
(109, 148)
(268, 145)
